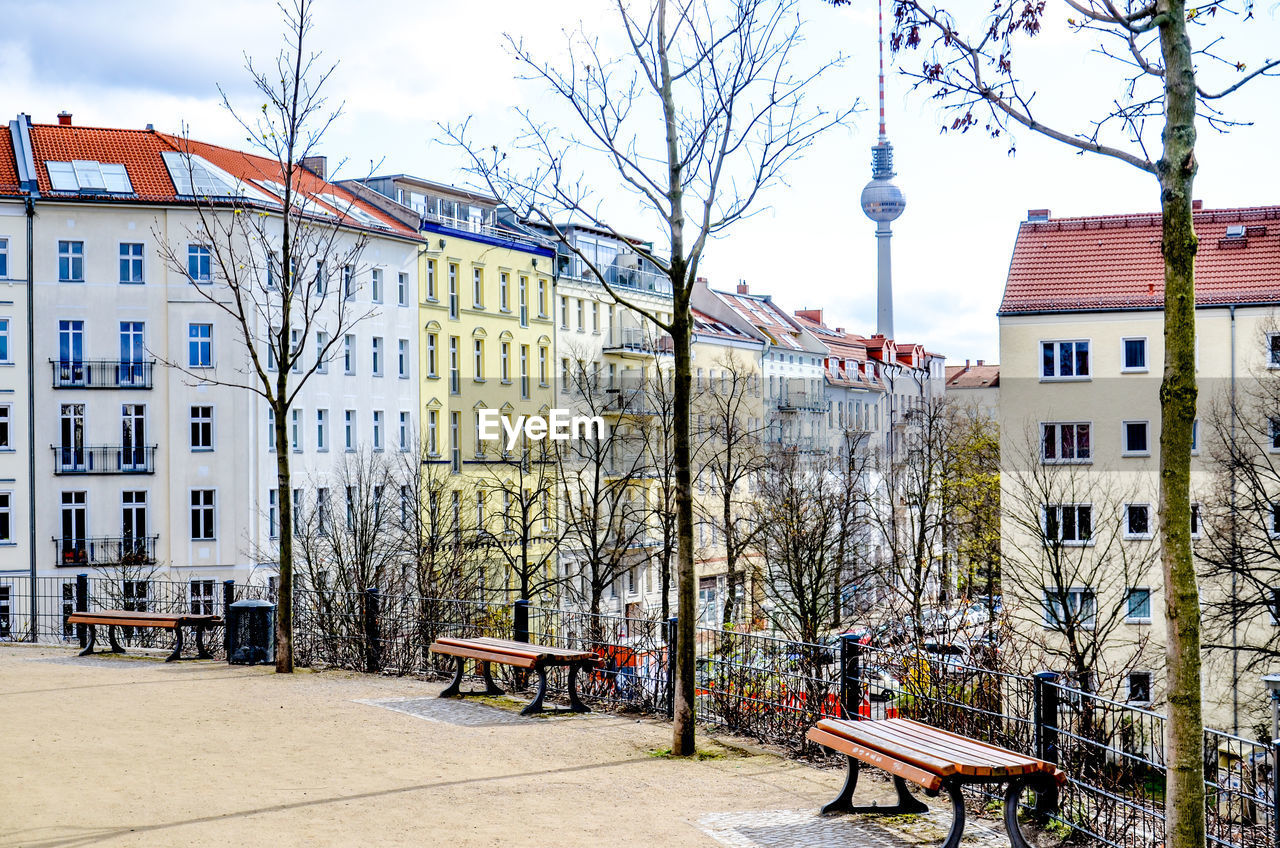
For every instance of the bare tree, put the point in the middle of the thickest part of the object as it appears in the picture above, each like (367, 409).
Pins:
(442, 545)
(528, 538)
(262, 250)
(696, 116)
(603, 490)
(970, 67)
(731, 459)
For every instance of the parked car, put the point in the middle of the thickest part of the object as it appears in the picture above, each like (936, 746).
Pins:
(881, 685)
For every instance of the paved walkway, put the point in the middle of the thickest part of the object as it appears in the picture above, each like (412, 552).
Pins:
(134, 752)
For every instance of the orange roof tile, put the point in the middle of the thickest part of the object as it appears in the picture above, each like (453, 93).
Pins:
(980, 376)
(1109, 262)
(8, 166)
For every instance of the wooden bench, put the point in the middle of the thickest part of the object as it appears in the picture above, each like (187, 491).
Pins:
(129, 618)
(936, 761)
(484, 651)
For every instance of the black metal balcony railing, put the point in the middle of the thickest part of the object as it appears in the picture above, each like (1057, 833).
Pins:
(106, 550)
(102, 374)
(104, 459)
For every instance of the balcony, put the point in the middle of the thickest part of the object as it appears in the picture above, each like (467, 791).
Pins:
(105, 550)
(636, 279)
(797, 395)
(636, 340)
(102, 374)
(104, 459)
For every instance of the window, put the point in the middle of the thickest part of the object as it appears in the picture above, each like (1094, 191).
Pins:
(564, 312)
(377, 356)
(271, 429)
(4, 258)
(402, 289)
(1066, 443)
(432, 340)
(1137, 521)
(455, 442)
(542, 298)
(1064, 360)
(564, 374)
(542, 366)
(377, 429)
(455, 375)
(90, 176)
(477, 286)
(295, 350)
(295, 430)
(504, 291)
(348, 281)
(479, 357)
(524, 371)
(135, 594)
(524, 301)
(1139, 687)
(322, 430)
(200, 345)
(1075, 607)
(453, 290)
(1273, 345)
(202, 514)
(376, 285)
(404, 431)
(273, 526)
(1195, 521)
(322, 511)
(199, 261)
(6, 517)
(1135, 438)
(504, 359)
(322, 356)
(1135, 354)
(349, 354)
(1070, 524)
(201, 597)
(1275, 434)
(297, 510)
(4, 342)
(1138, 606)
(130, 263)
(431, 279)
(1195, 436)
(402, 358)
(71, 262)
(582, 324)
(349, 429)
(202, 428)
(595, 317)
(433, 427)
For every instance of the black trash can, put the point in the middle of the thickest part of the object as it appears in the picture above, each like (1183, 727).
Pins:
(251, 633)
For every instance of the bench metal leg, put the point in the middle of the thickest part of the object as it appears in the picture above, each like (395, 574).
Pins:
(93, 640)
(201, 651)
(1012, 797)
(575, 704)
(177, 646)
(536, 706)
(907, 804)
(111, 637)
(454, 689)
(957, 817)
(490, 688)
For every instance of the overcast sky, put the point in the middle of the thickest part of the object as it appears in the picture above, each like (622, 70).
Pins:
(404, 66)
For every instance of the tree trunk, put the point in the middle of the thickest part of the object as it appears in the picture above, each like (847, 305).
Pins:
(730, 558)
(686, 580)
(1185, 812)
(284, 496)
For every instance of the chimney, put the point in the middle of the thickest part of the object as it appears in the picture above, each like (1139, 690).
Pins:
(64, 118)
(151, 127)
(702, 280)
(814, 315)
(742, 287)
(315, 164)
(966, 363)
(840, 330)
(1037, 215)
(1197, 205)
(980, 362)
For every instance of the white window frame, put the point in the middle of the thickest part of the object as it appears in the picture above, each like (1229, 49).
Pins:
(1057, 360)
(140, 260)
(1151, 682)
(322, 430)
(1129, 618)
(1129, 534)
(1055, 427)
(213, 507)
(202, 254)
(1125, 368)
(193, 422)
(402, 289)
(404, 431)
(6, 350)
(350, 438)
(375, 285)
(1081, 591)
(6, 509)
(402, 361)
(377, 354)
(1125, 450)
(379, 424)
(71, 254)
(349, 354)
(1272, 352)
(202, 342)
(1075, 543)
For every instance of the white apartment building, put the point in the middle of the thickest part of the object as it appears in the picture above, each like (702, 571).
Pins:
(140, 469)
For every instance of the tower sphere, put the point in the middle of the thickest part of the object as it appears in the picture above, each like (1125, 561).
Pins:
(882, 201)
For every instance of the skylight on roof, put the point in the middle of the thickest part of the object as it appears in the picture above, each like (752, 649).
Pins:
(195, 176)
(90, 176)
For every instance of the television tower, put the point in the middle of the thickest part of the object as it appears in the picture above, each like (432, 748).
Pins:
(883, 202)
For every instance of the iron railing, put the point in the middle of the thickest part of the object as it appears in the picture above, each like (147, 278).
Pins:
(104, 459)
(102, 373)
(105, 550)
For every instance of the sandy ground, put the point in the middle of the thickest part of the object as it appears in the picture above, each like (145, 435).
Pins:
(116, 752)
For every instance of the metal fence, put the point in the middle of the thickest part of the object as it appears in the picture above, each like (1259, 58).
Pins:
(751, 684)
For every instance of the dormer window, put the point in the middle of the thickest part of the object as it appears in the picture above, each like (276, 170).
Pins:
(89, 176)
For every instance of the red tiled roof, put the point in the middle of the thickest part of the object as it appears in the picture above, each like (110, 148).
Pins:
(8, 165)
(1113, 262)
(140, 153)
(982, 376)
(761, 313)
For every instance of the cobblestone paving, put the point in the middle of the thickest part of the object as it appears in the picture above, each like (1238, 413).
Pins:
(807, 829)
(449, 711)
